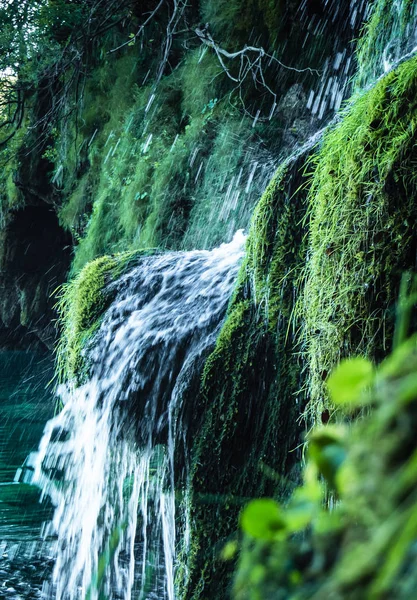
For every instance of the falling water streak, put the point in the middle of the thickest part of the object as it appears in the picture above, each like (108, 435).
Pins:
(107, 460)
(334, 84)
(168, 529)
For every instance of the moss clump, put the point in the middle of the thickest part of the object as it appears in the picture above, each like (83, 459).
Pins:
(362, 218)
(82, 302)
(248, 398)
(364, 547)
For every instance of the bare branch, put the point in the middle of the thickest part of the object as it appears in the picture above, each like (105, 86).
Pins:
(251, 61)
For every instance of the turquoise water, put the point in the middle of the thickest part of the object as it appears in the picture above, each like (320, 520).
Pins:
(26, 403)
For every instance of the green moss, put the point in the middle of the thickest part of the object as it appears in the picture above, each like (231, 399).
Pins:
(362, 216)
(82, 302)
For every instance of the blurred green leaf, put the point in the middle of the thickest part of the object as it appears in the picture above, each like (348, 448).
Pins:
(327, 450)
(350, 379)
(263, 519)
(229, 550)
(397, 363)
(299, 515)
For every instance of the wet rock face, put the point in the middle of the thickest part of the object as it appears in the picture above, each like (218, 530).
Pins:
(35, 255)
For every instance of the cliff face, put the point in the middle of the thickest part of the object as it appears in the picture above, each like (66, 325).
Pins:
(35, 255)
(115, 154)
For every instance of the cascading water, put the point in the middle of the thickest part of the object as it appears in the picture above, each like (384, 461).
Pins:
(107, 460)
(391, 37)
(333, 86)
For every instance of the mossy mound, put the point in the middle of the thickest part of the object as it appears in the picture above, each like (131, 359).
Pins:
(320, 280)
(361, 220)
(361, 543)
(82, 302)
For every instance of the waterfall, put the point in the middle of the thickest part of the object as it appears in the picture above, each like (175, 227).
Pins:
(390, 37)
(113, 462)
(107, 459)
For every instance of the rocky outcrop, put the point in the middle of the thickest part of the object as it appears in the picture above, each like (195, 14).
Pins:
(35, 254)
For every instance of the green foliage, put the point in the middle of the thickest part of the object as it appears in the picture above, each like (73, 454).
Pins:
(362, 547)
(11, 198)
(60, 18)
(262, 519)
(234, 21)
(327, 449)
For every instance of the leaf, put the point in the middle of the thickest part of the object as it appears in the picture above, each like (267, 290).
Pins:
(327, 450)
(229, 551)
(299, 515)
(350, 379)
(263, 519)
(397, 363)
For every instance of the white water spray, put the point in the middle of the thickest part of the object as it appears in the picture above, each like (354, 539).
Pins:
(107, 460)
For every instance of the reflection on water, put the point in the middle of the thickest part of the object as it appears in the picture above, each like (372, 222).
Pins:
(26, 403)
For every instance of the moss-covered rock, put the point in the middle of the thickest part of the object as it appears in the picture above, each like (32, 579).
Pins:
(361, 229)
(81, 304)
(322, 273)
(248, 405)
